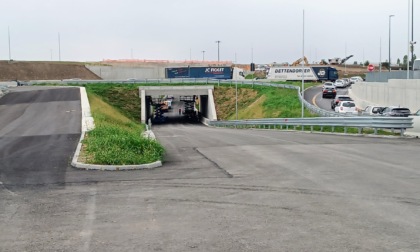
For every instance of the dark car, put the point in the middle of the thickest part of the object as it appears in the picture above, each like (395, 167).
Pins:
(395, 111)
(329, 92)
(339, 98)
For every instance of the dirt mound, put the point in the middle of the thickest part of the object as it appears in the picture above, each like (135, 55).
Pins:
(27, 70)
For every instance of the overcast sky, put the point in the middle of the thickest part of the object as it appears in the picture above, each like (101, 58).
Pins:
(93, 30)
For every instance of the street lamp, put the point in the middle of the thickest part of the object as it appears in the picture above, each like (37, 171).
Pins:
(203, 54)
(389, 52)
(218, 51)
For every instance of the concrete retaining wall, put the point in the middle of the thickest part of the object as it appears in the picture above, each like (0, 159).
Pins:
(124, 73)
(404, 93)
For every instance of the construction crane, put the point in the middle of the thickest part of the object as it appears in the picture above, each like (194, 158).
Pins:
(338, 61)
(297, 62)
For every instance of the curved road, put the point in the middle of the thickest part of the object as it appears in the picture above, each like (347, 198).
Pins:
(229, 190)
(314, 96)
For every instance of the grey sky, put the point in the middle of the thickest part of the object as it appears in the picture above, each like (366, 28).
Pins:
(92, 30)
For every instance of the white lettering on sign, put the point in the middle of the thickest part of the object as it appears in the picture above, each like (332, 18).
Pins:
(214, 70)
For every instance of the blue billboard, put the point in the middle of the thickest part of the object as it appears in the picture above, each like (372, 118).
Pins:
(199, 72)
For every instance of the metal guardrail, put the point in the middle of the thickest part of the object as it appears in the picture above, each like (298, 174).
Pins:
(375, 123)
(329, 119)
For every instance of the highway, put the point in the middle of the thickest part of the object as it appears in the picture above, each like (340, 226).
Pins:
(219, 190)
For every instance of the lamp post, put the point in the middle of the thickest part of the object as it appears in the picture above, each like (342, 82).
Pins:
(10, 52)
(59, 47)
(218, 50)
(303, 69)
(203, 54)
(412, 35)
(389, 51)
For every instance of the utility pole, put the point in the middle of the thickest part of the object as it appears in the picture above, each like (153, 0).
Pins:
(218, 50)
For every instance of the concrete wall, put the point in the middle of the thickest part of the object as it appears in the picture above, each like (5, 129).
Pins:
(404, 93)
(384, 76)
(128, 72)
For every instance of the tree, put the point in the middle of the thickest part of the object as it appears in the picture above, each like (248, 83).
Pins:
(355, 63)
(398, 61)
(367, 63)
(405, 59)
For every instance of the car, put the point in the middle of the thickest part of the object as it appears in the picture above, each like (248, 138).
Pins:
(327, 84)
(395, 111)
(339, 98)
(330, 92)
(346, 82)
(346, 107)
(339, 83)
(355, 79)
(372, 110)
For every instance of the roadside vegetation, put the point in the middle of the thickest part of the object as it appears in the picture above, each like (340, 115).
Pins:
(116, 139)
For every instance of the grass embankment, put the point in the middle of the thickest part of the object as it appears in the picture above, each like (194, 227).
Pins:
(257, 102)
(116, 139)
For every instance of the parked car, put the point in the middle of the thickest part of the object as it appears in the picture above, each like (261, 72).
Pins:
(339, 98)
(339, 83)
(346, 107)
(396, 111)
(372, 110)
(329, 92)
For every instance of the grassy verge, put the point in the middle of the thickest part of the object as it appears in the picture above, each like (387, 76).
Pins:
(116, 139)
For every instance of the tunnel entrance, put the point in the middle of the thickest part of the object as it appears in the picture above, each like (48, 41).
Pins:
(171, 104)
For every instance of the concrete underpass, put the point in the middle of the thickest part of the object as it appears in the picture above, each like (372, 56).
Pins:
(189, 103)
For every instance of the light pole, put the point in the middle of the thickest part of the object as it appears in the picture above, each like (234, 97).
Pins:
(203, 54)
(303, 69)
(10, 52)
(59, 47)
(412, 34)
(218, 50)
(236, 93)
(389, 50)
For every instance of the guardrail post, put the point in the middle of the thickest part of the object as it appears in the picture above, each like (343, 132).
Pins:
(375, 131)
(332, 129)
(312, 128)
(359, 130)
(322, 128)
(402, 132)
(345, 130)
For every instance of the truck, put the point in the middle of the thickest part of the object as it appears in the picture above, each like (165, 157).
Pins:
(310, 73)
(223, 72)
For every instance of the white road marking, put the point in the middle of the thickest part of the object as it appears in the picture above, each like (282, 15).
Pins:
(7, 190)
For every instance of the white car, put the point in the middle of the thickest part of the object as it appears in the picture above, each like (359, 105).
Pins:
(347, 107)
(327, 85)
(356, 79)
(339, 84)
(372, 110)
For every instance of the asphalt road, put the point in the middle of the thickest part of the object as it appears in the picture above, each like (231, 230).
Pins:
(229, 190)
(314, 96)
(39, 130)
